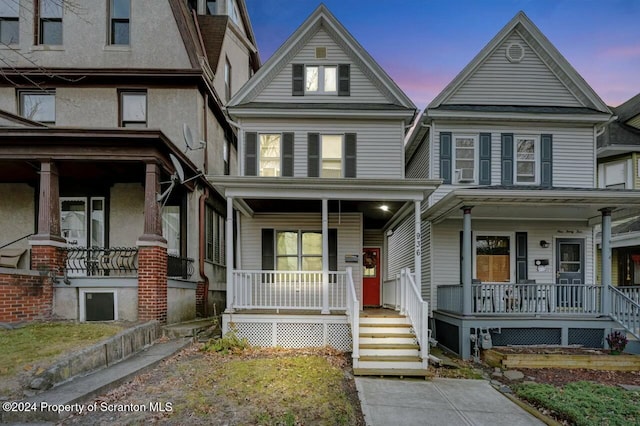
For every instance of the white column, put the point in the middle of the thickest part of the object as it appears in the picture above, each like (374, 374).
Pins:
(418, 245)
(466, 260)
(606, 260)
(229, 252)
(325, 256)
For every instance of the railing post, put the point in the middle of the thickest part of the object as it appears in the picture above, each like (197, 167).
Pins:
(606, 261)
(325, 256)
(229, 254)
(403, 291)
(466, 261)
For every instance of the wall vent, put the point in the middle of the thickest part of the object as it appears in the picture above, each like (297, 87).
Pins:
(515, 52)
(321, 53)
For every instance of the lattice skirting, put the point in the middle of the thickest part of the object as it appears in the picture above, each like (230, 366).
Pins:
(291, 331)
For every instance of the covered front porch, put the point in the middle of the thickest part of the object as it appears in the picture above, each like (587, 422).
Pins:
(527, 266)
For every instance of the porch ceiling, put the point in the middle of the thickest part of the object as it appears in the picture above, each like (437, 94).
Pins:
(564, 204)
(374, 217)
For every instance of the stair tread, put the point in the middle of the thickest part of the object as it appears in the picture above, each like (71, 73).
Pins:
(365, 315)
(389, 346)
(387, 335)
(390, 358)
(385, 325)
(391, 372)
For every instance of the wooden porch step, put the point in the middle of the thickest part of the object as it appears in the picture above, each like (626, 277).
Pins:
(400, 372)
(389, 346)
(390, 358)
(379, 315)
(385, 325)
(387, 335)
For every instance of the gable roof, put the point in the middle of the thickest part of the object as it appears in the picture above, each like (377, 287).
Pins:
(553, 59)
(620, 136)
(321, 17)
(629, 109)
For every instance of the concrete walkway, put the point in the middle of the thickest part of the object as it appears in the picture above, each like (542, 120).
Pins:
(443, 402)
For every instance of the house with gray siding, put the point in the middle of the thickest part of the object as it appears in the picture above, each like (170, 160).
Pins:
(108, 122)
(321, 131)
(508, 240)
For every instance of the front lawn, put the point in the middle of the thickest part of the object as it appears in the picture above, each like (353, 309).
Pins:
(43, 341)
(585, 403)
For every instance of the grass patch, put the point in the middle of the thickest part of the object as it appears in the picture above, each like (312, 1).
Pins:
(585, 403)
(39, 341)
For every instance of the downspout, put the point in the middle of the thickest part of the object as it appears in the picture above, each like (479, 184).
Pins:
(202, 249)
(205, 109)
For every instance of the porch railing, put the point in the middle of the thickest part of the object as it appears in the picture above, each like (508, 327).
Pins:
(417, 310)
(625, 311)
(391, 293)
(287, 290)
(100, 261)
(180, 267)
(353, 314)
(517, 299)
(632, 292)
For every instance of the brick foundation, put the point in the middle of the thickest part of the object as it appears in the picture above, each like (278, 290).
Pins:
(202, 294)
(25, 297)
(47, 258)
(152, 283)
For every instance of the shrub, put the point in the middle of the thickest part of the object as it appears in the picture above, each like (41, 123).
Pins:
(617, 341)
(230, 342)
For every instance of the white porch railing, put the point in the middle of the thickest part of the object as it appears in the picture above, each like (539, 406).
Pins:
(411, 304)
(625, 311)
(353, 314)
(287, 290)
(632, 292)
(391, 293)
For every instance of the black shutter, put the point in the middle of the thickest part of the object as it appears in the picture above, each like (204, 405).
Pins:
(344, 80)
(350, 151)
(313, 154)
(445, 157)
(298, 79)
(333, 249)
(484, 175)
(521, 257)
(546, 160)
(507, 159)
(268, 246)
(287, 154)
(250, 153)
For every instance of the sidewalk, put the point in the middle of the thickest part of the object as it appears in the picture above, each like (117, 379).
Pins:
(438, 402)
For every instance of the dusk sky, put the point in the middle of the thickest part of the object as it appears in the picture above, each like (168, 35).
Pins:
(424, 44)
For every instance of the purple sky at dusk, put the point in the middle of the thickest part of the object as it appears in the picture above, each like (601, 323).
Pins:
(424, 44)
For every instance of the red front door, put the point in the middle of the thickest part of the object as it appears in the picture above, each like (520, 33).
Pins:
(371, 277)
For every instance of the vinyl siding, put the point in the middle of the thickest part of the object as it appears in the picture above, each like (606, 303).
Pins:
(362, 89)
(373, 238)
(426, 285)
(636, 172)
(573, 152)
(500, 82)
(349, 226)
(418, 167)
(446, 237)
(379, 143)
(615, 269)
(400, 246)
(635, 121)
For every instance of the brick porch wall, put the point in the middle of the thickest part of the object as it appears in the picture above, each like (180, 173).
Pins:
(202, 293)
(25, 297)
(152, 283)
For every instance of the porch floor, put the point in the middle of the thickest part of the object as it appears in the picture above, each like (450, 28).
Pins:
(286, 312)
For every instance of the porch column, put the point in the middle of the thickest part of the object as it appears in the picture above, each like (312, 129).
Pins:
(606, 260)
(325, 257)
(417, 262)
(152, 253)
(229, 253)
(466, 260)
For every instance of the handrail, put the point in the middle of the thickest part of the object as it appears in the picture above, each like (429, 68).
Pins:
(180, 267)
(625, 311)
(417, 310)
(101, 261)
(15, 241)
(353, 314)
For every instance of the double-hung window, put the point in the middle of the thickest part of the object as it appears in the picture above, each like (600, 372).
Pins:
(493, 258)
(49, 14)
(227, 79)
(38, 105)
(526, 160)
(332, 154)
(119, 18)
(464, 159)
(9, 22)
(215, 236)
(298, 250)
(321, 79)
(133, 108)
(269, 151)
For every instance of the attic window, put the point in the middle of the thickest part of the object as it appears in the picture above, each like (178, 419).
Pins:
(515, 52)
(321, 52)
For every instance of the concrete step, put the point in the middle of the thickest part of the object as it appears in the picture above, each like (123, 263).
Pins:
(398, 372)
(189, 328)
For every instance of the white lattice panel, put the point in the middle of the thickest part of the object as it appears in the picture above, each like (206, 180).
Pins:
(257, 333)
(339, 336)
(299, 335)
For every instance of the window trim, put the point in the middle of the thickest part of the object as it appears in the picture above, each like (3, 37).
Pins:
(321, 79)
(49, 92)
(342, 153)
(11, 18)
(455, 180)
(227, 78)
(536, 166)
(121, 94)
(259, 156)
(215, 234)
(299, 255)
(512, 253)
(39, 20)
(112, 20)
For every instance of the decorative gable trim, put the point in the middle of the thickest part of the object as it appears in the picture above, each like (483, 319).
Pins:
(554, 60)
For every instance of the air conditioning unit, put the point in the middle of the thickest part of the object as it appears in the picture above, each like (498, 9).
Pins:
(465, 175)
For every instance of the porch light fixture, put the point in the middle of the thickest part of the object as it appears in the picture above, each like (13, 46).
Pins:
(384, 208)
(544, 244)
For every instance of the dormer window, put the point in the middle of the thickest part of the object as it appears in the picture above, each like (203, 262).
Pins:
(314, 79)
